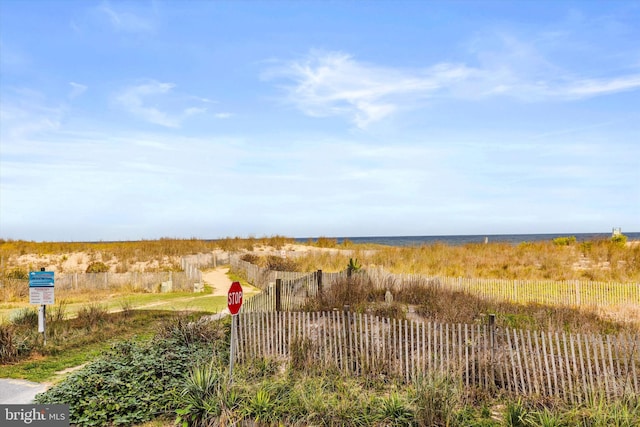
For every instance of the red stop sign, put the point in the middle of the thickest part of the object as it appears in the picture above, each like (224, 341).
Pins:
(234, 298)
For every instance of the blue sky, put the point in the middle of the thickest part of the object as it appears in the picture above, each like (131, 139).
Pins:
(140, 120)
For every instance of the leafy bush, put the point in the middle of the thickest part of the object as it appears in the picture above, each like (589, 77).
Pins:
(132, 383)
(619, 239)
(97, 267)
(564, 241)
(203, 395)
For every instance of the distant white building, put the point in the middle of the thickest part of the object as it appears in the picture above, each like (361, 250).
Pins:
(617, 231)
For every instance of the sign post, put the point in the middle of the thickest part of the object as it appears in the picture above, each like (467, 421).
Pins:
(41, 287)
(234, 302)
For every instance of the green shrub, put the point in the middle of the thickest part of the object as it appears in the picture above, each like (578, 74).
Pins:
(98, 267)
(619, 239)
(394, 410)
(201, 398)
(564, 241)
(26, 317)
(438, 399)
(132, 383)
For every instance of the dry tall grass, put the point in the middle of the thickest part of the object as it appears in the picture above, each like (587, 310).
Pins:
(428, 300)
(600, 260)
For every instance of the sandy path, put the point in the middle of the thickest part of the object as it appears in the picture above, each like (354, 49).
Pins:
(218, 280)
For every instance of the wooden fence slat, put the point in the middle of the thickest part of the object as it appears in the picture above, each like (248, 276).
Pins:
(466, 353)
(567, 365)
(586, 379)
(549, 364)
(552, 358)
(534, 374)
(513, 378)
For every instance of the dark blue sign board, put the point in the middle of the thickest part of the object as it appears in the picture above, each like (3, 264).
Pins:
(41, 279)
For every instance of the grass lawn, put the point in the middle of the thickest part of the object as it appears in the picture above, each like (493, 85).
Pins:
(72, 342)
(119, 301)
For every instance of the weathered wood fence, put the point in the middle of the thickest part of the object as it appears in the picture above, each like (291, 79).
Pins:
(291, 294)
(261, 277)
(567, 366)
(141, 281)
(569, 292)
(192, 264)
(147, 282)
(566, 292)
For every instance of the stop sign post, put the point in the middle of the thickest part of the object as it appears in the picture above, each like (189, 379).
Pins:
(234, 302)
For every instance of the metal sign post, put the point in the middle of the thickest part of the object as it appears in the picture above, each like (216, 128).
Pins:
(234, 302)
(41, 292)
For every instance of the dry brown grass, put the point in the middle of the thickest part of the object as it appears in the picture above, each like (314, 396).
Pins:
(428, 300)
(600, 260)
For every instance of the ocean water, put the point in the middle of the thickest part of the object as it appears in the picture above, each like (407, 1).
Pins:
(460, 240)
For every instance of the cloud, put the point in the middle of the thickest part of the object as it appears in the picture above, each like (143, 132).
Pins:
(325, 84)
(333, 83)
(77, 89)
(26, 112)
(592, 87)
(135, 101)
(126, 21)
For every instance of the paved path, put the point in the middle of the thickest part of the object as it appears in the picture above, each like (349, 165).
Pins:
(19, 391)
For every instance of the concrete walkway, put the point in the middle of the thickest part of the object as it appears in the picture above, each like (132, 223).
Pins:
(19, 391)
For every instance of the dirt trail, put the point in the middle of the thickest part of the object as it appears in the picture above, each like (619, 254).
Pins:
(218, 280)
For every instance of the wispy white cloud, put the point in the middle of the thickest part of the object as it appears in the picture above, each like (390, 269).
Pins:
(77, 89)
(25, 112)
(126, 21)
(135, 100)
(334, 83)
(327, 84)
(595, 87)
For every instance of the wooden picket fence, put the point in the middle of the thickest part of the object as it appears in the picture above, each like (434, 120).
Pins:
(576, 293)
(148, 282)
(291, 294)
(260, 277)
(563, 365)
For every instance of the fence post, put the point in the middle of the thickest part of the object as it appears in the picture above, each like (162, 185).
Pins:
(348, 339)
(492, 344)
(319, 279)
(278, 295)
